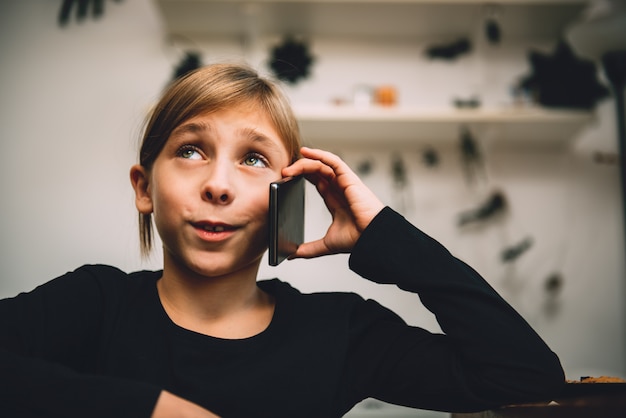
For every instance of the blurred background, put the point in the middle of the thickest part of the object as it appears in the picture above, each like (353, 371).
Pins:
(492, 127)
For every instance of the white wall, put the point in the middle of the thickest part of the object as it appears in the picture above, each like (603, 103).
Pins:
(73, 101)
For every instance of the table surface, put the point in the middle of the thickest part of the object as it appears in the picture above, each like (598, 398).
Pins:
(578, 400)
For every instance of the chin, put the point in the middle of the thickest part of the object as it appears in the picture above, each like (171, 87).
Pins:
(217, 267)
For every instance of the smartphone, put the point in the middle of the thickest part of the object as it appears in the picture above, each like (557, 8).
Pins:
(286, 215)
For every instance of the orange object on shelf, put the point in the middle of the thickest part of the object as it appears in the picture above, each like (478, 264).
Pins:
(386, 96)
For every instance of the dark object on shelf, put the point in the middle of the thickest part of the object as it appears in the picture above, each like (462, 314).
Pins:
(494, 205)
(430, 157)
(365, 167)
(97, 10)
(493, 32)
(190, 62)
(450, 51)
(492, 28)
(469, 103)
(563, 80)
(291, 60)
(398, 171)
(514, 252)
(402, 195)
(614, 63)
(608, 158)
(471, 156)
(553, 284)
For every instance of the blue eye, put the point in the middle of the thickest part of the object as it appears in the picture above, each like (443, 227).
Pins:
(188, 152)
(254, 160)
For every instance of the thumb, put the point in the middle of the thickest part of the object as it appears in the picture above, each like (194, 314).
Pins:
(311, 249)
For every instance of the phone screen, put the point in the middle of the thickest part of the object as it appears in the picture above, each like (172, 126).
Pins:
(286, 215)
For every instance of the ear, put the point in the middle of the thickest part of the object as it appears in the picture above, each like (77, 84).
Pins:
(139, 179)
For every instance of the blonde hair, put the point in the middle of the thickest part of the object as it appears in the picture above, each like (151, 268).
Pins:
(209, 89)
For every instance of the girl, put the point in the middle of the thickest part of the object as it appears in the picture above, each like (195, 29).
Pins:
(204, 338)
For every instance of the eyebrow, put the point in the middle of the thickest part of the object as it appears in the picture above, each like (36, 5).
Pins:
(256, 136)
(250, 133)
(191, 127)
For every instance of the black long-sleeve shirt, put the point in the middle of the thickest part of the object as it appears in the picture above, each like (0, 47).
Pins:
(96, 342)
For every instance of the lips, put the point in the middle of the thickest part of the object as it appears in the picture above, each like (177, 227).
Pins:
(214, 230)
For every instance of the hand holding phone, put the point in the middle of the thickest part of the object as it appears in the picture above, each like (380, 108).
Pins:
(350, 202)
(286, 218)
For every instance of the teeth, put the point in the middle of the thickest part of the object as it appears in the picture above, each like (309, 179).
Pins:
(218, 228)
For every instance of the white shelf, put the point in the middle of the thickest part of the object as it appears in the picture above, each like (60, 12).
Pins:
(390, 20)
(507, 127)
(380, 19)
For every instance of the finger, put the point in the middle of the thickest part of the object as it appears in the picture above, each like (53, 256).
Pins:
(328, 158)
(343, 174)
(315, 172)
(333, 199)
(307, 167)
(311, 249)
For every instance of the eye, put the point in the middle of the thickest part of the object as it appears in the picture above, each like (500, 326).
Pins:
(254, 159)
(188, 152)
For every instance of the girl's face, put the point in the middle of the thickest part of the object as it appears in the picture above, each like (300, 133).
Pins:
(208, 190)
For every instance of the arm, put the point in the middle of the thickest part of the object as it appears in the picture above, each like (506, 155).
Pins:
(31, 387)
(488, 356)
(49, 341)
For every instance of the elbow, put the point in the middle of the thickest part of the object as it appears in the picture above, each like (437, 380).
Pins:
(551, 381)
(545, 381)
(541, 381)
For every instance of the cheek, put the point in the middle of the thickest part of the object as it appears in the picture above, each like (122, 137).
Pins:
(260, 204)
(160, 197)
(169, 196)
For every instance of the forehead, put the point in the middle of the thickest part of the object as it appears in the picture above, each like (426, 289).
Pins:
(243, 122)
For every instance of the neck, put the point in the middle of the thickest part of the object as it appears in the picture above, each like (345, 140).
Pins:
(226, 306)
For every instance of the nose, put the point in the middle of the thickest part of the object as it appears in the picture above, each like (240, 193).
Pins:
(218, 185)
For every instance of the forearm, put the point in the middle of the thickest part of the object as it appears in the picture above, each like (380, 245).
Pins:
(501, 357)
(31, 387)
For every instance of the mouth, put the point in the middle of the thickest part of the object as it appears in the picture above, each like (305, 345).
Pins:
(214, 226)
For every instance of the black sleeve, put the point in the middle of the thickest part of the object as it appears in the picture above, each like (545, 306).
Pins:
(49, 345)
(488, 354)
